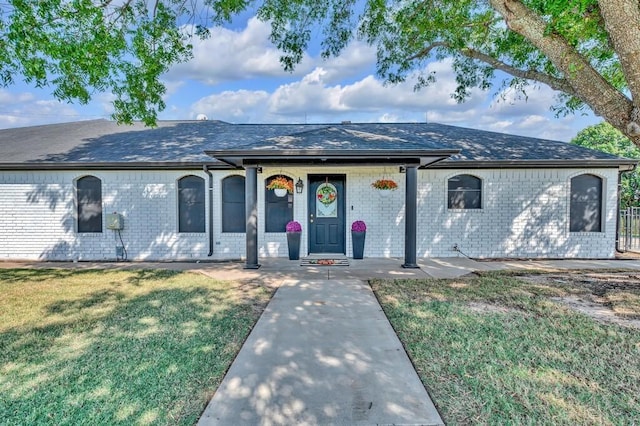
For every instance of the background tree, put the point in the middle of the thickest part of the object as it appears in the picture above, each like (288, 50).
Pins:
(606, 138)
(589, 50)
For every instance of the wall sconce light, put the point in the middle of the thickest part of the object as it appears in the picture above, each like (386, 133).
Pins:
(402, 169)
(299, 186)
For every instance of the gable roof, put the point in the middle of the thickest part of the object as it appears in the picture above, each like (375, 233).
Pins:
(185, 144)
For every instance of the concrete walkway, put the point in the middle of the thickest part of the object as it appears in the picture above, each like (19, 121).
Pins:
(323, 352)
(279, 269)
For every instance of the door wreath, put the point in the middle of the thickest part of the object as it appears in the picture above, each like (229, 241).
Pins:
(326, 194)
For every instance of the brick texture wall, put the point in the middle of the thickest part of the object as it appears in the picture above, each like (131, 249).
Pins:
(525, 214)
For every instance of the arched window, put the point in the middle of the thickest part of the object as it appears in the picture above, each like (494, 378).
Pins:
(233, 206)
(191, 211)
(464, 192)
(278, 210)
(586, 204)
(89, 203)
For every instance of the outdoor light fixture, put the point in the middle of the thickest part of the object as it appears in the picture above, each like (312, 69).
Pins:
(299, 186)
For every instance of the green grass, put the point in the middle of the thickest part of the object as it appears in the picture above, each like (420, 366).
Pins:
(497, 350)
(109, 347)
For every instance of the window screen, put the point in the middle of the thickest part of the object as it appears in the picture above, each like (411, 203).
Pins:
(89, 199)
(191, 210)
(464, 192)
(586, 204)
(233, 205)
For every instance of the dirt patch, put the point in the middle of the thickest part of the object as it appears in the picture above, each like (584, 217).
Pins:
(596, 311)
(487, 308)
(606, 296)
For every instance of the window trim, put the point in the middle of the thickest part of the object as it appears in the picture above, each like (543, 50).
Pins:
(466, 209)
(77, 206)
(603, 203)
(204, 204)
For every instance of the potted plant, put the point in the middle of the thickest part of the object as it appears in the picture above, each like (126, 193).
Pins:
(294, 231)
(281, 185)
(385, 186)
(358, 233)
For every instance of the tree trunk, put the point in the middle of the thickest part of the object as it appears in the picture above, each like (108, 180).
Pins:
(588, 85)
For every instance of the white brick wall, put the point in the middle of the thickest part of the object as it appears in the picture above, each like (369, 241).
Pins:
(525, 214)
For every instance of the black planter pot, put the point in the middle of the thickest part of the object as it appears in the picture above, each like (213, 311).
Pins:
(293, 241)
(357, 238)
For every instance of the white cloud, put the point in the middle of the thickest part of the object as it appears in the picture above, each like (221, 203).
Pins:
(510, 102)
(238, 106)
(229, 55)
(357, 59)
(389, 118)
(314, 95)
(314, 98)
(24, 109)
(530, 115)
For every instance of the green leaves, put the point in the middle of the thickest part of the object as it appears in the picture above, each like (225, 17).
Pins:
(80, 47)
(604, 137)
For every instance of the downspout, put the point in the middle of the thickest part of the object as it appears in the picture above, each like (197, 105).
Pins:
(206, 170)
(620, 172)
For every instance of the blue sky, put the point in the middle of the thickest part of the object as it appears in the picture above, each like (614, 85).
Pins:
(235, 76)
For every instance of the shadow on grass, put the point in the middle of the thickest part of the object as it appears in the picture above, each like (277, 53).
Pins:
(535, 360)
(72, 307)
(152, 358)
(151, 274)
(8, 276)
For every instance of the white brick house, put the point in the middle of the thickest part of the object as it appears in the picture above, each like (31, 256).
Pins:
(196, 190)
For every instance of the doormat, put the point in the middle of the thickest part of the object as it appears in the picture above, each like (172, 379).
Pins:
(324, 262)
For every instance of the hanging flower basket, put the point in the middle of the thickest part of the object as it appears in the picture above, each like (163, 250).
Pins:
(281, 185)
(385, 185)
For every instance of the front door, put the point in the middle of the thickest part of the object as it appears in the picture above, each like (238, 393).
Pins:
(326, 214)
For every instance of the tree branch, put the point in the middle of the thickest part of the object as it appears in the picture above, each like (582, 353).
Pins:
(587, 83)
(427, 50)
(553, 82)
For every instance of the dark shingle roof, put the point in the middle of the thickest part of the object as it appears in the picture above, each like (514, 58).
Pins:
(184, 142)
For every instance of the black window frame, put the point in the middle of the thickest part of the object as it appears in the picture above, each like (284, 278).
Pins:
(233, 205)
(87, 195)
(274, 205)
(580, 196)
(461, 194)
(191, 205)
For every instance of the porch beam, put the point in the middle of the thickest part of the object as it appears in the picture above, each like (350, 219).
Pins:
(410, 216)
(251, 206)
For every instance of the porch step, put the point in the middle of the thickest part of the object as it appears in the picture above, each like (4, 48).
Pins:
(325, 260)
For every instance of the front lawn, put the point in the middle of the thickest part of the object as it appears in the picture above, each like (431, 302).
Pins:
(499, 350)
(117, 347)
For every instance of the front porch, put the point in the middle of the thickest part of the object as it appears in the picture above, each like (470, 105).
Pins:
(330, 168)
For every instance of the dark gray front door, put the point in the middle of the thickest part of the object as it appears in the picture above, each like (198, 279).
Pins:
(326, 214)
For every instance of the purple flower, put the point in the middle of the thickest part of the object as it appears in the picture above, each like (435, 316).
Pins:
(358, 226)
(293, 226)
